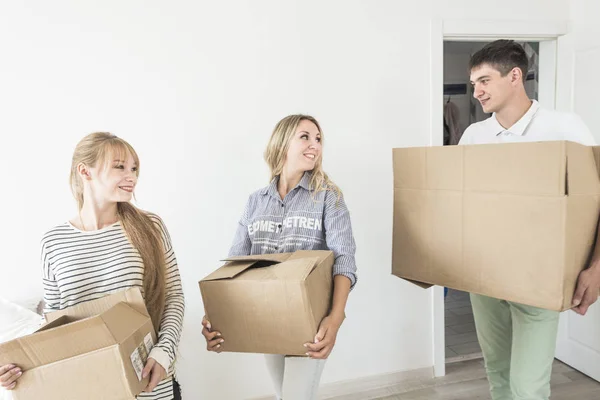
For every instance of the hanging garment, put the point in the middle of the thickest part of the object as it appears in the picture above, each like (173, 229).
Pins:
(452, 122)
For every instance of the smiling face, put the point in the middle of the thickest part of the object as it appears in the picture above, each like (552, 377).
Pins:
(491, 89)
(112, 179)
(116, 179)
(305, 147)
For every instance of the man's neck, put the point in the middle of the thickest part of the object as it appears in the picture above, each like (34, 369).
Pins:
(514, 111)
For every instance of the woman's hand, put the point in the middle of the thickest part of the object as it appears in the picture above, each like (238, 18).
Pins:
(325, 338)
(9, 374)
(157, 374)
(213, 339)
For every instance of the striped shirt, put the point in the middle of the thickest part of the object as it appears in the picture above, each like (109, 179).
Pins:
(81, 266)
(301, 221)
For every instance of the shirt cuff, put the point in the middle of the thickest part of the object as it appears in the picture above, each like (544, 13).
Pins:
(348, 275)
(161, 357)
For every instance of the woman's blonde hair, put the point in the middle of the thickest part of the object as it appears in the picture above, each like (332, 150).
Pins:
(144, 235)
(279, 143)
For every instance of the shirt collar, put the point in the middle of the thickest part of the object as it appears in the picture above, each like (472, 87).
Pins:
(521, 125)
(272, 188)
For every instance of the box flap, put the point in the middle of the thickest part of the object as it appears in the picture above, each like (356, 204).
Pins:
(536, 168)
(122, 321)
(321, 255)
(90, 308)
(291, 270)
(63, 320)
(276, 257)
(582, 170)
(238, 264)
(421, 168)
(289, 266)
(297, 269)
(233, 269)
(409, 168)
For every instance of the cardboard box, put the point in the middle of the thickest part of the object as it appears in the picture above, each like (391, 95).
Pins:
(270, 303)
(511, 221)
(95, 350)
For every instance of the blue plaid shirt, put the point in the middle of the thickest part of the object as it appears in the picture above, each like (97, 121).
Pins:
(301, 221)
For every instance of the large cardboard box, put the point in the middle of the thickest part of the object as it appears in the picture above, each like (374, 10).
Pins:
(270, 303)
(95, 350)
(512, 221)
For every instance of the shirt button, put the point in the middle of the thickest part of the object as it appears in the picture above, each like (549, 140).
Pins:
(279, 226)
(282, 205)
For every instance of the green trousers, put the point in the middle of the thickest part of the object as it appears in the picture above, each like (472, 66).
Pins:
(518, 344)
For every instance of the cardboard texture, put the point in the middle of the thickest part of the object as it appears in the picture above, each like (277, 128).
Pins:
(133, 297)
(95, 350)
(270, 303)
(511, 221)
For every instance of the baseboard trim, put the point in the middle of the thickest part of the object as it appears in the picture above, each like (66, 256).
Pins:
(367, 383)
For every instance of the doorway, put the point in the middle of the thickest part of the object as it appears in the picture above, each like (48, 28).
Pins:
(457, 42)
(460, 110)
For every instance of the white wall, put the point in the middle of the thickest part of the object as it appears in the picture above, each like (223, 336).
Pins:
(196, 87)
(586, 43)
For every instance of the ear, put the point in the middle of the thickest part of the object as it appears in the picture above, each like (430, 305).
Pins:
(84, 172)
(516, 75)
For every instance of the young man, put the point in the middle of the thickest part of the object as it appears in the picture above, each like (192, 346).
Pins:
(518, 341)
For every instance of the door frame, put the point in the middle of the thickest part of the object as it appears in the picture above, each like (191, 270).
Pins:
(548, 34)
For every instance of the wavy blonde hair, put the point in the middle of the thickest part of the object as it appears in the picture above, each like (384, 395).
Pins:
(277, 149)
(102, 148)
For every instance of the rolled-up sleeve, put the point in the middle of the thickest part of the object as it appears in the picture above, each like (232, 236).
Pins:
(339, 237)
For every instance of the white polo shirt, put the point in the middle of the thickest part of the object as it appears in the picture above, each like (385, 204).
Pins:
(537, 125)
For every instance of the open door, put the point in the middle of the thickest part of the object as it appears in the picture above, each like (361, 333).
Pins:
(577, 84)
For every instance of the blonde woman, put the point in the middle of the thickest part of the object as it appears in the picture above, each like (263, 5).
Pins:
(310, 214)
(111, 246)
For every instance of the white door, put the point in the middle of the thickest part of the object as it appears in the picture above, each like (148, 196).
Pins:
(578, 84)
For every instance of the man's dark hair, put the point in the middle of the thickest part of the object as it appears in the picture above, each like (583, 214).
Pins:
(502, 55)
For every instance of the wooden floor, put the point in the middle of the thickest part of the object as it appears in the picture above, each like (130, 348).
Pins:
(461, 339)
(466, 381)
